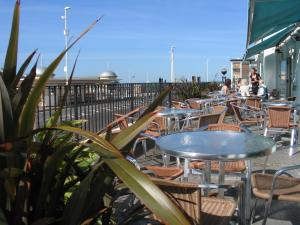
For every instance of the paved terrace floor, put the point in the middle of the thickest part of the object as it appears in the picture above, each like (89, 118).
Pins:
(282, 213)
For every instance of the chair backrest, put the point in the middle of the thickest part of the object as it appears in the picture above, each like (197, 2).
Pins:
(254, 102)
(279, 116)
(122, 120)
(178, 105)
(237, 112)
(291, 98)
(186, 196)
(194, 104)
(223, 127)
(229, 106)
(206, 119)
(221, 110)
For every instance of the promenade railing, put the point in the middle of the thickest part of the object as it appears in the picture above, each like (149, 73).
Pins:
(97, 103)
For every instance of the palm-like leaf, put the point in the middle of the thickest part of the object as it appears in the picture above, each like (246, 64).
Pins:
(10, 65)
(140, 184)
(28, 113)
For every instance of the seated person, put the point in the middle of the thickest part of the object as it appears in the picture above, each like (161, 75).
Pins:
(262, 90)
(244, 88)
(225, 90)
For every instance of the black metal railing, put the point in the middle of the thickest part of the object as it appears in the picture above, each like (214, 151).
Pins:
(97, 103)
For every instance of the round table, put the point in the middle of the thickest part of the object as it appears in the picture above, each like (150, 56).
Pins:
(175, 113)
(278, 103)
(221, 146)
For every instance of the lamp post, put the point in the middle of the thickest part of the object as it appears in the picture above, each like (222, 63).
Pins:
(224, 71)
(66, 34)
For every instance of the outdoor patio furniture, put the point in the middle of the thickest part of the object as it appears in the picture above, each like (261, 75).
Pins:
(194, 104)
(277, 186)
(154, 129)
(199, 210)
(220, 109)
(229, 166)
(230, 111)
(179, 105)
(167, 173)
(199, 121)
(291, 98)
(220, 146)
(253, 103)
(242, 116)
(280, 121)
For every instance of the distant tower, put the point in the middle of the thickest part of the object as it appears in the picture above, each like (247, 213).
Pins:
(172, 63)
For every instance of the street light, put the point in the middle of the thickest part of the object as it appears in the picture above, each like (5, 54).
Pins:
(66, 34)
(224, 71)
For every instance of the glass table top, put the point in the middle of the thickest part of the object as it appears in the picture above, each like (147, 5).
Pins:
(215, 145)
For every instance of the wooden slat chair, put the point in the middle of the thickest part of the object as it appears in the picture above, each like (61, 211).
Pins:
(198, 210)
(229, 166)
(248, 121)
(279, 118)
(277, 186)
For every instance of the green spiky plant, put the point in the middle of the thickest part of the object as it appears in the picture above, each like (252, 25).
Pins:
(42, 179)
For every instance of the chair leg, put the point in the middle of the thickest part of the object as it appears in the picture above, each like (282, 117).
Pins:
(134, 146)
(265, 164)
(267, 210)
(253, 211)
(266, 132)
(292, 138)
(144, 144)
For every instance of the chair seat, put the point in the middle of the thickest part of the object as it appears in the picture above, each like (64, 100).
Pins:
(229, 166)
(286, 188)
(217, 211)
(168, 173)
(250, 121)
(152, 133)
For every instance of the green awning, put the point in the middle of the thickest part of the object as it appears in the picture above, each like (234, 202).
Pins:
(270, 16)
(270, 42)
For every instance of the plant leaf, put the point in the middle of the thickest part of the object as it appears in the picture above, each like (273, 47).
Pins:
(7, 111)
(51, 165)
(157, 101)
(92, 136)
(10, 65)
(21, 71)
(139, 183)
(20, 97)
(28, 114)
(52, 121)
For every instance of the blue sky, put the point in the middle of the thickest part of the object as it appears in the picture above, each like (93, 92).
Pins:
(135, 36)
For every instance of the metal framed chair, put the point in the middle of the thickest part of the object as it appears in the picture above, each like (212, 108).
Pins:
(221, 110)
(198, 210)
(242, 118)
(199, 121)
(178, 105)
(193, 104)
(277, 186)
(280, 121)
(167, 173)
(230, 166)
(254, 103)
